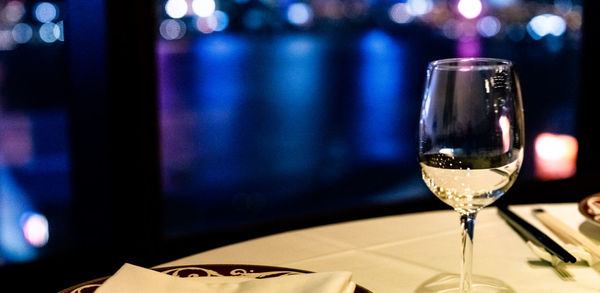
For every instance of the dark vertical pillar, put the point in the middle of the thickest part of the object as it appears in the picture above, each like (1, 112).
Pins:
(589, 118)
(114, 126)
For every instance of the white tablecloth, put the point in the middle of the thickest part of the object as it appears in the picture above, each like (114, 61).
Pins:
(399, 253)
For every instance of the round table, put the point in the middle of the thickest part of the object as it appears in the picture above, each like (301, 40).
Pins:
(399, 253)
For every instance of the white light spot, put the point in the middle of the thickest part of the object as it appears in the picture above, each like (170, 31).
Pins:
(470, 8)
(299, 14)
(35, 229)
(203, 8)
(176, 8)
(546, 24)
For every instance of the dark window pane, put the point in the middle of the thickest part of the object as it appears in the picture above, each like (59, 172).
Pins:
(274, 110)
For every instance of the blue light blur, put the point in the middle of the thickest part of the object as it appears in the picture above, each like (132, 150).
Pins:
(419, 7)
(296, 105)
(222, 20)
(22, 33)
(488, 26)
(13, 204)
(49, 32)
(299, 14)
(501, 3)
(45, 12)
(546, 24)
(380, 118)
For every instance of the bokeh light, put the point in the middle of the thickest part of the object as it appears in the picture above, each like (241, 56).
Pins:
(22, 33)
(172, 29)
(36, 229)
(222, 20)
(203, 8)
(555, 156)
(546, 24)
(49, 32)
(398, 13)
(488, 26)
(419, 7)
(470, 8)
(13, 11)
(299, 14)
(45, 12)
(176, 8)
(206, 25)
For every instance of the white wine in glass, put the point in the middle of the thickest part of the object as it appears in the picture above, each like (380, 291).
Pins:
(471, 138)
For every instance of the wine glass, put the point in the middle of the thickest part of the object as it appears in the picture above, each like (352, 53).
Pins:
(470, 146)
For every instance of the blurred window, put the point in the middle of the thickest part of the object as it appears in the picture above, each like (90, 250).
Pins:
(34, 144)
(271, 109)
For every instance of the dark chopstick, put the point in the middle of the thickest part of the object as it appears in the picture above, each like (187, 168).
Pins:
(534, 235)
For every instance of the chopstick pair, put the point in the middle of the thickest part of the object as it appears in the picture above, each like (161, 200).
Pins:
(534, 235)
(566, 233)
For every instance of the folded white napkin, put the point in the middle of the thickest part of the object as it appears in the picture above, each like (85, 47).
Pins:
(131, 279)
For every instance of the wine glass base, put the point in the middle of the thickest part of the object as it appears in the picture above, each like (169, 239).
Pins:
(449, 283)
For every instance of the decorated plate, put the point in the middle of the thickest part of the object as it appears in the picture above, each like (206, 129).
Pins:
(210, 270)
(589, 207)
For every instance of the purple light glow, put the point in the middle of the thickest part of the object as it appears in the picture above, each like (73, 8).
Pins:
(468, 47)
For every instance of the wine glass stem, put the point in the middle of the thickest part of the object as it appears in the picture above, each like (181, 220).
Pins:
(467, 224)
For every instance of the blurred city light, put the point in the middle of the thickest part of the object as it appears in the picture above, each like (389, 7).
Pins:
(488, 26)
(555, 156)
(49, 32)
(470, 8)
(35, 229)
(546, 24)
(13, 11)
(299, 14)
(398, 13)
(22, 33)
(176, 8)
(203, 8)
(45, 12)
(501, 3)
(207, 24)
(222, 20)
(172, 29)
(419, 7)
(6, 40)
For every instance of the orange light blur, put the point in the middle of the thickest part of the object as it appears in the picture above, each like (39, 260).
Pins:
(555, 156)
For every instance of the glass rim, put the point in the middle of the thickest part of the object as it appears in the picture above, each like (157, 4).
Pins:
(473, 63)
